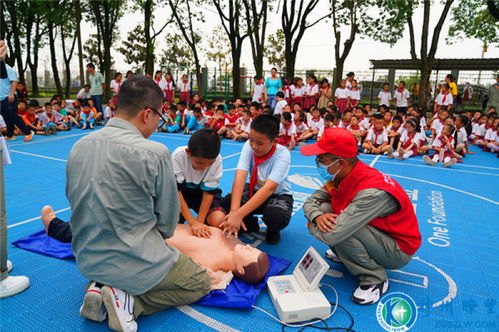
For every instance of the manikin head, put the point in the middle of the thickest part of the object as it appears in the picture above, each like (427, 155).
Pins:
(252, 264)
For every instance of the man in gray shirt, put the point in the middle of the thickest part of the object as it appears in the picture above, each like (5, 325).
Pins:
(362, 214)
(123, 197)
(494, 96)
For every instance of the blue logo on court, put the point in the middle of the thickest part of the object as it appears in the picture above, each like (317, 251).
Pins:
(396, 312)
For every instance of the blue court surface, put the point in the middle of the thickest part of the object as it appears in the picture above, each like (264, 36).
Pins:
(453, 278)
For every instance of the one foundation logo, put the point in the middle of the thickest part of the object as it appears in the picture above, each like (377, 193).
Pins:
(396, 312)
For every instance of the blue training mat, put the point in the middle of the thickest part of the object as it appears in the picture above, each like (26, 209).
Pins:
(238, 295)
(41, 243)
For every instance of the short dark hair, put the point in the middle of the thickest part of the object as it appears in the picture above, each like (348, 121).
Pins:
(91, 65)
(378, 116)
(138, 93)
(329, 117)
(267, 125)
(86, 86)
(286, 116)
(398, 118)
(204, 143)
(255, 272)
(117, 74)
(33, 103)
(48, 103)
(221, 107)
(280, 94)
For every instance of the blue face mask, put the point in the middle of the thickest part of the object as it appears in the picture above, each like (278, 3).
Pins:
(322, 169)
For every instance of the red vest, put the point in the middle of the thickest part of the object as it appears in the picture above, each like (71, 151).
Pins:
(401, 225)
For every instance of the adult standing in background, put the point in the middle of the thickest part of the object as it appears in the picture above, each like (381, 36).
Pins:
(97, 86)
(8, 101)
(449, 79)
(467, 93)
(494, 95)
(273, 84)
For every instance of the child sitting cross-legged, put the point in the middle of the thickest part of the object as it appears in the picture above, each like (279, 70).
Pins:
(198, 170)
(409, 141)
(287, 131)
(376, 141)
(443, 146)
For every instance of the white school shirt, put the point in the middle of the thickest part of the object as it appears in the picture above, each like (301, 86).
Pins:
(377, 139)
(168, 85)
(400, 129)
(348, 84)
(354, 94)
(161, 83)
(316, 125)
(437, 125)
(83, 95)
(312, 90)
(440, 99)
(115, 86)
(258, 90)
(462, 136)
(401, 97)
(480, 129)
(342, 93)
(422, 123)
(276, 168)
(489, 134)
(206, 180)
(184, 87)
(291, 130)
(385, 97)
(437, 143)
(246, 126)
(297, 91)
(301, 127)
(364, 122)
(405, 136)
(279, 106)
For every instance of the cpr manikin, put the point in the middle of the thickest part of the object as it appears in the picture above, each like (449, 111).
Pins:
(221, 254)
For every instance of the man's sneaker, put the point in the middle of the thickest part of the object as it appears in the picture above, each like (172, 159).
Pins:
(429, 161)
(84, 125)
(92, 307)
(273, 237)
(91, 125)
(119, 306)
(450, 162)
(29, 137)
(369, 294)
(332, 256)
(390, 152)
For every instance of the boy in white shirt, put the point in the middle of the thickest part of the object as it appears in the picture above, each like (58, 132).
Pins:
(314, 126)
(376, 141)
(281, 102)
(385, 96)
(242, 130)
(198, 170)
(402, 98)
(268, 192)
(84, 93)
(287, 131)
(258, 90)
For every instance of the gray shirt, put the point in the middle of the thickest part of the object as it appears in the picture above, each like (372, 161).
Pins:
(367, 205)
(96, 81)
(123, 197)
(493, 97)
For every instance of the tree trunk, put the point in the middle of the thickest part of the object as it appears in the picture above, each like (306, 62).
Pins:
(425, 85)
(290, 63)
(149, 63)
(18, 49)
(236, 74)
(338, 73)
(33, 67)
(80, 47)
(107, 61)
(53, 59)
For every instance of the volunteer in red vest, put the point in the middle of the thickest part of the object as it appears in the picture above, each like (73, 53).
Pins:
(363, 215)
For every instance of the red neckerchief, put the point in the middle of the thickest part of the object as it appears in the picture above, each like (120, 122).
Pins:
(376, 134)
(286, 129)
(401, 93)
(168, 84)
(357, 127)
(310, 88)
(409, 140)
(257, 161)
(185, 87)
(157, 80)
(345, 124)
(444, 97)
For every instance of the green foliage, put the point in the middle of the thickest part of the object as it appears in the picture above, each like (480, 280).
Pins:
(219, 49)
(177, 52)
(274, 50)
(134, 48)
(472, 19)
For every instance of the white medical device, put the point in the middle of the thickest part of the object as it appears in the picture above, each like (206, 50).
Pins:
(297, 297)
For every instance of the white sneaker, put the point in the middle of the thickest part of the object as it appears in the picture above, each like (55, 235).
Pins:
(92, 307)
(370, 294)
(450, 162)
(91, 125)
(332, 256)
(119, 306)
(84, 126)
(429, 161)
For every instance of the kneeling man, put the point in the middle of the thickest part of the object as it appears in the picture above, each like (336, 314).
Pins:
(364, 216)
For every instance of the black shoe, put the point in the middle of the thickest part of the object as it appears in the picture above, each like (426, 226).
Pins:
(252, 225)
(273, 237)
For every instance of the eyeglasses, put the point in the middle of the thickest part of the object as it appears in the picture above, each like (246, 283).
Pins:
(320, 164)
(161, 115)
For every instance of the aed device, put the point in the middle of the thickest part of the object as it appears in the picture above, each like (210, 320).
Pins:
(297, 297)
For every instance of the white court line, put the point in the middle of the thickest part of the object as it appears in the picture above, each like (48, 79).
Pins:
(206, 320)
(47, 140)
(374, 160)
(33, 219)
(460, 165)
(38, 155)
(447, 187)
(231, 155)
(439, 168)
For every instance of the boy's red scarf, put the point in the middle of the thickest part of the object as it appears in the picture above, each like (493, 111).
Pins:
(257, 161)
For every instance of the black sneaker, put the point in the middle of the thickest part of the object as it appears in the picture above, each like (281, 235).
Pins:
(370, 294)
(273, 237)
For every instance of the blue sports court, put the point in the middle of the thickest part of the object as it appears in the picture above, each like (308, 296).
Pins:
(453, 277)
